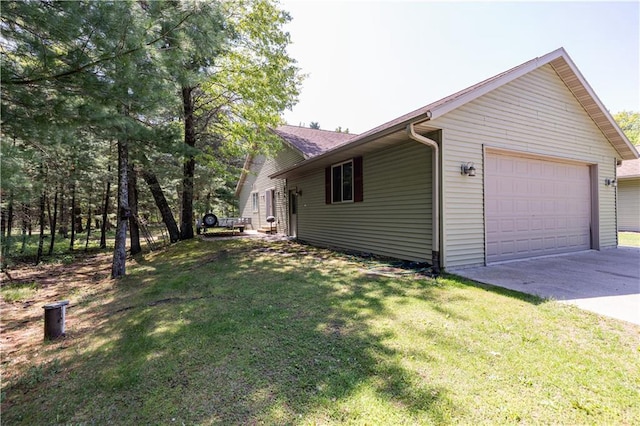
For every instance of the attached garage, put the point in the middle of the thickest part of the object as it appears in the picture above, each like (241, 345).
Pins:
(535, 207)
(519, 165)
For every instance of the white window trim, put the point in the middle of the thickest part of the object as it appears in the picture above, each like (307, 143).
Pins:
(255, 202)
(342, 177)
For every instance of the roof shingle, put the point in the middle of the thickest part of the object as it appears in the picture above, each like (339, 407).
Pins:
(312, 142)
(629, 169)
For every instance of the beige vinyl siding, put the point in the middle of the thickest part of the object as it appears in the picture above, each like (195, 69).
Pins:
(629, 205)
(534, 114)
(393, 220)
(258, 181)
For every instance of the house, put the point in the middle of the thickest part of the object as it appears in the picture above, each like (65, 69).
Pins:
(628, 180)
(510, 168)
(260, 196)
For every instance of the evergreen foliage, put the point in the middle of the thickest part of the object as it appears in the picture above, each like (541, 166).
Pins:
(178, 90)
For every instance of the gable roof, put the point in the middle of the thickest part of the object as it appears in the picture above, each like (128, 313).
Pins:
(558, 59)
(629, 169)
(311, 142)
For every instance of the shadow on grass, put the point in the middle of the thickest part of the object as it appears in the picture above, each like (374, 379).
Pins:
(530, 298)
(234, 333)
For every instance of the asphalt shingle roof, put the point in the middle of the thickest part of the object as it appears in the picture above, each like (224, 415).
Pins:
(312, 142)
(629, 168)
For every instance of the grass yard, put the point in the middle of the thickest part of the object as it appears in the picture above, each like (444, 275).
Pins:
(23, 248)
(630, 239)
(249, 332)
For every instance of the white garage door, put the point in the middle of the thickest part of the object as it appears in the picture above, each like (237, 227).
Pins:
(535, 207)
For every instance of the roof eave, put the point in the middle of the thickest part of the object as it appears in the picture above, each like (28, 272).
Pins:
(589, 100)
(243, 175)
(559, 57)
(593, 106)
(292, 146)
(350, 145)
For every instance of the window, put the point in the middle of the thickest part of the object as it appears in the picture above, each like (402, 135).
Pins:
(343, 182)
(254, 202)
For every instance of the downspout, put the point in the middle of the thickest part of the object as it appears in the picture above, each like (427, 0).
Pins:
(435, 204)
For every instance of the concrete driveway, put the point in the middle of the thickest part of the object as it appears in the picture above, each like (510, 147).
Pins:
(606, 282)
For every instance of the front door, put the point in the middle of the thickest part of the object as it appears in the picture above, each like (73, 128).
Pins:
(293, 214)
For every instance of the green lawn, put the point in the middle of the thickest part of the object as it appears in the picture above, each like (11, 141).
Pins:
(19, 248)
(631, 239)
(242, 332)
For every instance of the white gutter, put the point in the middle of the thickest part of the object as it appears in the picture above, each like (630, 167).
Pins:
(435, 203)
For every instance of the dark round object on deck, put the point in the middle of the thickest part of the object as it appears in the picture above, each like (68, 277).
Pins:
(271, 219)
(209, 220)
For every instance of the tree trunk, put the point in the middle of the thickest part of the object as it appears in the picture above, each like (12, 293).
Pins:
(3, 222)
(86, 244)
(77, 217)
(10, 217)
(43, 197)
(134, 230)
(105, 212)
(186, 216)
(53, 224)
(118, 266)
(25, 214)
(73, 215)
(64, 230)
(29, 222)
(161, 202)
(9, 224)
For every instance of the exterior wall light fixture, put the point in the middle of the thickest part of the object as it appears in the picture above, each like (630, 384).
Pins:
(296, 191)
(467, 169)
(610, 182)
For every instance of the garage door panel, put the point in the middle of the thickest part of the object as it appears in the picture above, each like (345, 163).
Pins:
(536, 244)
(536, 224)
(522, 206)
(506, 226)
(522, 225)
(492, 249)
(535, 207)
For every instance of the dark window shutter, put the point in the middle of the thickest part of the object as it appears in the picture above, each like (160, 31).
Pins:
(327, 185)
(358, 191)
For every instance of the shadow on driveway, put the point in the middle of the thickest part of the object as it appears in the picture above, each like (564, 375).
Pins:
(606, 282)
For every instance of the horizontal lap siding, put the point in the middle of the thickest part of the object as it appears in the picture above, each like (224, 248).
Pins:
(244, 198)
(629, 205)
(258, 180)
(393, 220)
(534, 114)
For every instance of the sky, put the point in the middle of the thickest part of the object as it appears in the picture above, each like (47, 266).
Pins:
(368, 62)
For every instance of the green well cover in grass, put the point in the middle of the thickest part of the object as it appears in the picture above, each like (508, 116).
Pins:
(243, 332)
